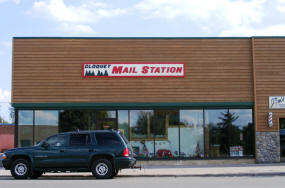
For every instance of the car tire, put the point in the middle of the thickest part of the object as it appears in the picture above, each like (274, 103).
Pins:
(102, 169)
(115, 172)
(20, 169)
(36, 174)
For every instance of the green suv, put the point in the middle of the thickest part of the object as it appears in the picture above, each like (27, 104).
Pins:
(103, 153)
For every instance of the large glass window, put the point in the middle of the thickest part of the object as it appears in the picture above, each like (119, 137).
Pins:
(191, 133)
(140, 123)
(217, 132)
(165, 128)
(106, 120)
(229, 133)
(73, 120)
(46, 124)
(241, 133)
(152, 133)
(123, 122)
(25, 128)
(140, 133)
(26, 117)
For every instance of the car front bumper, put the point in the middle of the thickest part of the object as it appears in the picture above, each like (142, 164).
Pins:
(6, 163)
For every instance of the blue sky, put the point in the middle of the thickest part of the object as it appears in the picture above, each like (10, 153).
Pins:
(113, 18)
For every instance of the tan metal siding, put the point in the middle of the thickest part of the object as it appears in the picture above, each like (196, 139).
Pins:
(270, 77)
(49, 70)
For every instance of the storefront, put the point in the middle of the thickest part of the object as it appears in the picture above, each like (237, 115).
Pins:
(174, 98)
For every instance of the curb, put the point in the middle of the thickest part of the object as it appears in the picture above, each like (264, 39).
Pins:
(211, 175)
(169, 175)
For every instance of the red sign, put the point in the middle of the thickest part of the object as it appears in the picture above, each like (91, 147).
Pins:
(133, 70)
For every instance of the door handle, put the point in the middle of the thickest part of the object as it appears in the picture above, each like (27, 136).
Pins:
(62, 150)
(91, 150)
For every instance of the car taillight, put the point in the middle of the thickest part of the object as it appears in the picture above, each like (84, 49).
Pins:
(126, 152)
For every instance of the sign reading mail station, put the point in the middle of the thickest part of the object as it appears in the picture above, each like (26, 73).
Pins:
(277, 102)
(133, 70)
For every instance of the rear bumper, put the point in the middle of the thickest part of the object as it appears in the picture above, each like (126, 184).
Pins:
(125, 162)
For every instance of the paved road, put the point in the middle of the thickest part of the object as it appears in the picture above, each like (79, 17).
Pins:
(143, 182)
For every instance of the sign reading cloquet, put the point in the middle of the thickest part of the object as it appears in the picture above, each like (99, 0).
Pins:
(277, 102)
(133, 70)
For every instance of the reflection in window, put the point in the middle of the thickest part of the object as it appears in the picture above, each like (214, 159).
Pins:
(25, 128)
(191, 133)
(141, 139)
(25, 135)
(106, 120)
(216, 132)
(73, 120)
(25, 117)
(241, 133)
(46, 124)
(140, 123)
(123, 122)
(46, 117)
(166, 131)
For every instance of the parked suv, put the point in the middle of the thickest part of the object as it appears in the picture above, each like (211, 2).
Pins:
(103, 153)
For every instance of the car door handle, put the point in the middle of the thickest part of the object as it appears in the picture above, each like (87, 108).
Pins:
(91, 150)
(62, 150)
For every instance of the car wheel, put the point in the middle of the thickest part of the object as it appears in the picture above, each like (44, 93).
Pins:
(36, 174)
(102, 169)
(20, 169)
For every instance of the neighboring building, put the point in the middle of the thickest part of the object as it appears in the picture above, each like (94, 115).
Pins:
(172, 97)
(6, 137)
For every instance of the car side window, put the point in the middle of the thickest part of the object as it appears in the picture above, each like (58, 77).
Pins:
(107, 139)
(79, 140)
(57, 140)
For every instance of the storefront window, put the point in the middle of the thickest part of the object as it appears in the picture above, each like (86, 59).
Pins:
(152, 133)
(26, 117)
(123, 122)
(140, 123)
(241, 133)
(165, 125)
(46, 124)
(217, 132)
(106, 120)
(140, 134)
(25, 128)
(191, 133)
(73, 120)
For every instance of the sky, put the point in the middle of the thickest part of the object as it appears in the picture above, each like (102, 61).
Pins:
(132, 18)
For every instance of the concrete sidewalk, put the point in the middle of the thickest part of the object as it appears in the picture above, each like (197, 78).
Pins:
(276, 169)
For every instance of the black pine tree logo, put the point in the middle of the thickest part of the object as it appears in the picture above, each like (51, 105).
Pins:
(106, 73)
(86, 73)
(99, 73)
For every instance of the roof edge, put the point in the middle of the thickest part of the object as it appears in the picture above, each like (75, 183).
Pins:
(132, 37)
(54, 37)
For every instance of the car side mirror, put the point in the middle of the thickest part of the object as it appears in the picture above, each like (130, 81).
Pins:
(45, 145)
